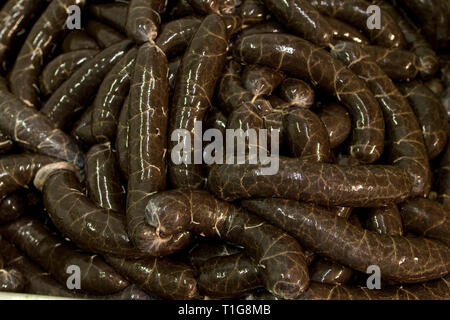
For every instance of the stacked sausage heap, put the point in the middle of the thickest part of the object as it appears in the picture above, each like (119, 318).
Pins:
(86, 118)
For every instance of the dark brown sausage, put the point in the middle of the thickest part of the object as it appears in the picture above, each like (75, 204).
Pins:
(6, 144)
(427, 218)
(355, 12)
(297, 93)
(18, 171)
(405, 145)
(385, 220)
(78, 218)
(104, 35)
(144, 19)
(199, 72)
(264, 27)
(326, 184)
(148, 120)
(337, 122)
(15, 17)
(161, 277)
(122, 138)
(21, 123)
(77, 91)
(38, 46)
(175, 35)
(306, 135)
(174, 65)
(261, 80)
(103, 178)
(55, 256)
(61, 68)
(110, 97)
(283, 267)
(304, 60)
(113, 14)
(402, 259)
(430, 113)
(79, 40)
(302, 19)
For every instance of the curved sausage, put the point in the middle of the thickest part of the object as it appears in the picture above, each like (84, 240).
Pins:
(427, 218)
(103, 178)
(337, 122)
(113, 14)
(385, 220)
(199, 72)
(304, 60)
(104, 35)
(82, 221)
(18, 171)
(122, 143)
(252, 12)
(55, 256)
(297, 92)
(355, 13)
(78, 40)
(398, 64)
(61, 68)
(405, 146)
(361, 186)
(228, 276)
(176, 35)
(264, 27)
(161, 277)
(261, 80)
(110, 97)
(15, 17)
(76, 92)
(40, 42)
(283, 266)
(302, 19)
(306, 135)
(147, 139)
(402, 259)
(144, 19)
(430, 113)
(22, 123)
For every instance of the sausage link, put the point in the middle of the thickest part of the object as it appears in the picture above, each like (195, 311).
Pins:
(144, 19)
(261, 80)
(40, 42)
(199, 72)
(252, 12)
(337, 122)
(297, 93)
(385, 220)
(345, 32)
(110, 97)
(82, 129)
(402, 259)
(79, 40)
